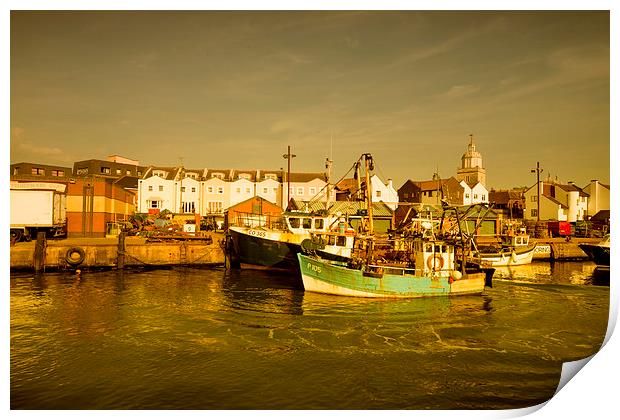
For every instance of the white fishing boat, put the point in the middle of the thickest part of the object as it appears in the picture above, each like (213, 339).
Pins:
(517, 250)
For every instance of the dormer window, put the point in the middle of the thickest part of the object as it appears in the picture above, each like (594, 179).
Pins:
(244, 176)
(217, 175)
(191, 175)
(161, 174)
(271, 176)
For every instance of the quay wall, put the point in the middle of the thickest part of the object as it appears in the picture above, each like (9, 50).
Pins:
(558, 249)
(104, 253)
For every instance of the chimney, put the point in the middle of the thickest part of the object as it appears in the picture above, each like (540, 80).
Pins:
(571, 183)
(389, 183)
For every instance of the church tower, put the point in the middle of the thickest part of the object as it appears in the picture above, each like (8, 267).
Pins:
(471, 170)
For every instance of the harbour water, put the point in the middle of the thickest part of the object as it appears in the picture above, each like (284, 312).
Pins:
(211, 339)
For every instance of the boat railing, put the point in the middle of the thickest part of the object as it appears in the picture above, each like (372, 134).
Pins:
(256, 220)
(404, 271)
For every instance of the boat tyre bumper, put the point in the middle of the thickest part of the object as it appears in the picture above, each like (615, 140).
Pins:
(75, 256)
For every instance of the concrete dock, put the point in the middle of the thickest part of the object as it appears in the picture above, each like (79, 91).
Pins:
(73, 253)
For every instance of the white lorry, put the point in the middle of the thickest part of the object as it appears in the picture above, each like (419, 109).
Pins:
(38, 207)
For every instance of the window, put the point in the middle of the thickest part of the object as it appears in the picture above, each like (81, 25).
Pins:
(406, 195)
(271, 176)
(150, 188)
(534, 198)
(312, 191)
(291, 191)
(300, 190)
(210, 189)
(307, 223)
(161, 188)
(265, 190)
(378, 194)
(534, 212)
(248, 190)
(139, 173)
(161, 174)
(475, 196)
(191, 175)
(244, 176)
(81, 171)
(217, 175)
(105, 170)
(275, 190)
(318, 223)
(128, 172)
(215, 206)
(193, 189)
(341, 241)
(188, 207)
(294, 222)
(182, 189)
(154, 204)
(118, 172)
(38, 171)
(16, 170)
(484, 197)
(56, 172)
(220, 190)
(238, 190)
(466, 195)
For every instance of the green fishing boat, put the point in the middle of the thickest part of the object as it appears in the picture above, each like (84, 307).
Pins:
(435, 275)
(428, 265)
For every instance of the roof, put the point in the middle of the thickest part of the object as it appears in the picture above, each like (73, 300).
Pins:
(553, 200)
(602, 215)
(345, 207)
(434, 185)
(307, 176)
(128, 182)
(573, 187)
(504, 196)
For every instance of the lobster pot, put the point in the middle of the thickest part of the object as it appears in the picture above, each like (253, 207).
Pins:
(530, 226)
(540, 230)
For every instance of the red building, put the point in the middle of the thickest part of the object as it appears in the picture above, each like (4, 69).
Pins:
(93, 202)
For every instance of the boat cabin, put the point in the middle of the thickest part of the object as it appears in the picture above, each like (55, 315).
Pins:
(433, 256)
(305, 223)
(518, 241)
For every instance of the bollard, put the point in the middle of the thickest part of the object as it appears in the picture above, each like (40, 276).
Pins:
(39, 252)
(120, 254)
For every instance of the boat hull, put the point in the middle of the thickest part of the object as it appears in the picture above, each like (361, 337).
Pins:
(509, 258)
(265, 252)
(598, 254)
(324, 277)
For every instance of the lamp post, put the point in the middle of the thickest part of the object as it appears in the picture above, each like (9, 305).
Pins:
(288, 157)
(538, 170)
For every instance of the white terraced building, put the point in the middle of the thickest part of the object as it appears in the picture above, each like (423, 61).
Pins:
(212, 191)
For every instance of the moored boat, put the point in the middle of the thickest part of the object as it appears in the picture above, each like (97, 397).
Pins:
(517, 251)
(274, 246)
(599, 252)
(434, 274)
(428, 266)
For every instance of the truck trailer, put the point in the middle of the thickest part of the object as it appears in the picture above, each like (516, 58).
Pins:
(38, 207)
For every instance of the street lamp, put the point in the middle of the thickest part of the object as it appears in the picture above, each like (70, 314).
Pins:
(288, 156)
(538, 170)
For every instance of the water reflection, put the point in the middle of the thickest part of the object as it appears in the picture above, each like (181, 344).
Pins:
(568, 272)
(204, 338)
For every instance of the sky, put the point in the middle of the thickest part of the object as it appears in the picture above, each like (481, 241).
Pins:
(233, 89)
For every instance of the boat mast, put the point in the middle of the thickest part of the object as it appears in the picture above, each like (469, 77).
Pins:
(369, 167)
(328, 166)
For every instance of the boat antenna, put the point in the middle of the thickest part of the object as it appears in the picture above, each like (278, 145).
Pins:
(328, 165)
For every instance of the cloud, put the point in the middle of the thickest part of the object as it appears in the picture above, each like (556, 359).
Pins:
(144, 60)
(39, 150)
(459, 91)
